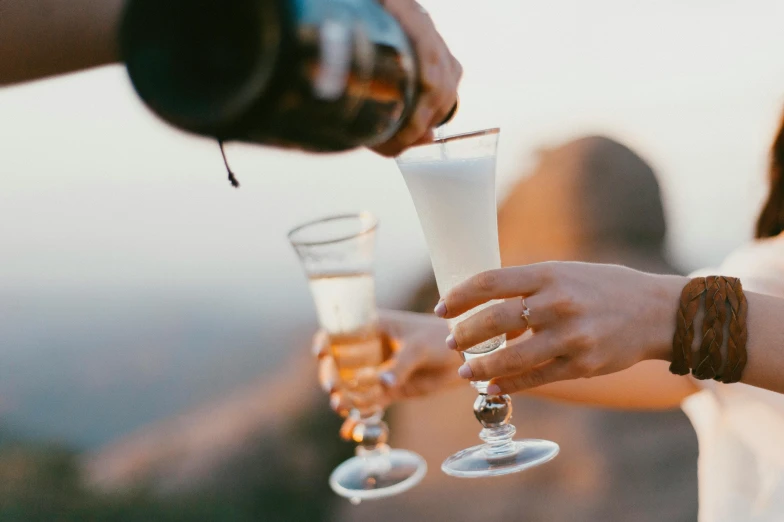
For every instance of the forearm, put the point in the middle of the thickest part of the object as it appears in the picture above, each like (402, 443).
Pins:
(41, 38)
(646, 386)
(765, 345)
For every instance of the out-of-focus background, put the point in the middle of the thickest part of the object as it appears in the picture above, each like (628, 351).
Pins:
(155, 325)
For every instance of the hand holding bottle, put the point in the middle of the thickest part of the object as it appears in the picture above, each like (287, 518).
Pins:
(439, 76)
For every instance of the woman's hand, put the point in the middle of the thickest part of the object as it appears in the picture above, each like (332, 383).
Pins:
(586, 320)
(420, 365)
(439, 76)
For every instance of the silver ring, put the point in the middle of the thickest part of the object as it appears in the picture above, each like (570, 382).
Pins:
(526, 314)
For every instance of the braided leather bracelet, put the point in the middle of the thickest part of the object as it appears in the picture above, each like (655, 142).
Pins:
(738, 333)
(719, 292)
(684, 330)
(709, 364)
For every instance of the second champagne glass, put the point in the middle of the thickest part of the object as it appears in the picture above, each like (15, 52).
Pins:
(337, 254)
(452, 184)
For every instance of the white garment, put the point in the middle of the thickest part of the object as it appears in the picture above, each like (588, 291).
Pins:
(740, 428)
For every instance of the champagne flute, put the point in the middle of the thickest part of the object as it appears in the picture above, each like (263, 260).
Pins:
(452, 184)
(337, 254)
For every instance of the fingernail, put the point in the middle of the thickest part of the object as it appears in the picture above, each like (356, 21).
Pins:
(334, 402)
(450, 342)
(493, 389)
(440, 309)
(465, 371)
(388, 379)
(320, 350)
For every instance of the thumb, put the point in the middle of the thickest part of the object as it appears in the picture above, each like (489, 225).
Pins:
(347, 429)
(399, 369)
(320, 344)
(328, 375)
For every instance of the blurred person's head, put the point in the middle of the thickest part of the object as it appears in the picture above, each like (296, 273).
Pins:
(592, 199)
(771, 220)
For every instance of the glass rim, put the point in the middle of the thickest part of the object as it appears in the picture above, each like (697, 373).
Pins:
(368, 221)
(466, 135)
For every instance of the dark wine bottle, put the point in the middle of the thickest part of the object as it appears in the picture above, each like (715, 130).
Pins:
(316, 75)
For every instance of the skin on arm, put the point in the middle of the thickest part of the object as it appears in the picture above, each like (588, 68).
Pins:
(648, 385)
(765, 366)
(42, 38)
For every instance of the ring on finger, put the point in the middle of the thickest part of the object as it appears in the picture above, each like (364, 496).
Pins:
(525, 315)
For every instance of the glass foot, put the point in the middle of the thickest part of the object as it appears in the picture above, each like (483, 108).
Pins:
(483, 461)
(378, 476)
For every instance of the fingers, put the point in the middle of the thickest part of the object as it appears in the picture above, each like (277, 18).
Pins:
(439, 76)
(446, 104)
(330, 379)
(514, 334)
(420, 121)
(366, 401)
(407, 360)
(552, 371)
(320, 344)
(417, 127)
(425, 382)
(495, 284)
(427, 138)
(439, 121)
(418, 130)
(500, 319)
(519, 359)
(340, 404)
(347, 429)
(328, 374)
(362, 391)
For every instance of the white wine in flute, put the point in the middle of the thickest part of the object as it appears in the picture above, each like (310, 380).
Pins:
(456, 204)
(346, 308)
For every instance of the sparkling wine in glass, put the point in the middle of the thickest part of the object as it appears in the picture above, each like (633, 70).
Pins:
(452, 184)
(337, 254)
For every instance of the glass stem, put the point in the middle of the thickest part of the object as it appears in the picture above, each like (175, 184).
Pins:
(371, 435)
(494, 413)
(480, 386)
(499, 440)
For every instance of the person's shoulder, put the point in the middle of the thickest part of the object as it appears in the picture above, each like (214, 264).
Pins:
(761, 253)
(759, 265)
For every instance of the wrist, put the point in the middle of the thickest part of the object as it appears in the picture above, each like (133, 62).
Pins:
(664, 297)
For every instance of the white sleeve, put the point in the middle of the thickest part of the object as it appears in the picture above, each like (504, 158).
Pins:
(759, 266)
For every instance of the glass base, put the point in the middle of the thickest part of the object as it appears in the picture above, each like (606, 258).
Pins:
(379, 476)
(482, 461)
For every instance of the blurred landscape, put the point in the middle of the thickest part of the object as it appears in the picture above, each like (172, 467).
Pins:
(155, 326)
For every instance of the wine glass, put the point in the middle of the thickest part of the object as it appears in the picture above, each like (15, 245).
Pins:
(452, 184)
(337, 254)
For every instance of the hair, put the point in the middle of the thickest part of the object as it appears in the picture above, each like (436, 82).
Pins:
(771, 220)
